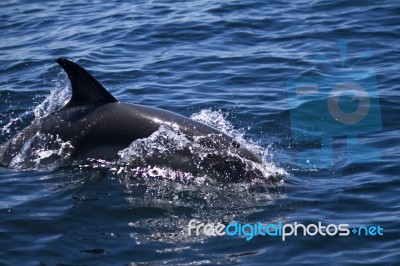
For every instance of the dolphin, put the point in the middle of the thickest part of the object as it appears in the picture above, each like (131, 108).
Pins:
(98, 126)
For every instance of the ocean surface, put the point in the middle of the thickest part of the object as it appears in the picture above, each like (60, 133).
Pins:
(236, 65)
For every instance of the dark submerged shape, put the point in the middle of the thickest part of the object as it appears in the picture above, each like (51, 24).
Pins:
(98, 126)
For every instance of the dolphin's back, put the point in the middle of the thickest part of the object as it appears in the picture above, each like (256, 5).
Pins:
(98, 126)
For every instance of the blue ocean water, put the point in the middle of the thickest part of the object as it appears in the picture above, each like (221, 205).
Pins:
(229, 61)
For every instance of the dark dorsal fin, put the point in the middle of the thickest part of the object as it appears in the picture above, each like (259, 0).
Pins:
(85, 88)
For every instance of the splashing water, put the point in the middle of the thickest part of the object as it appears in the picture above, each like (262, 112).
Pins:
(59, 95)
(166, 154)
(168, 170)
(188, 186)
(170, 154)
(42, 151)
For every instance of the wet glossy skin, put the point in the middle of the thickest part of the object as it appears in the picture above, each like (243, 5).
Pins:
(102, 131)
(98, 126)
